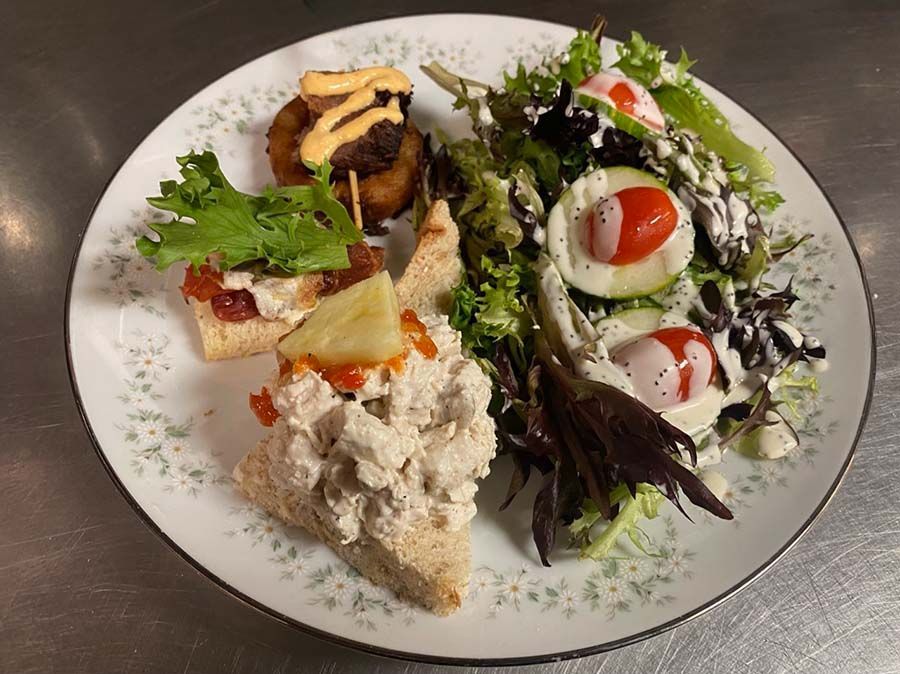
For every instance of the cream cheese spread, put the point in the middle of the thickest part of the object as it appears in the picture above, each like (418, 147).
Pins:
(277, 298)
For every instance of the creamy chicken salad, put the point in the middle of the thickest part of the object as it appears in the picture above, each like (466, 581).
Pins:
(405, 446)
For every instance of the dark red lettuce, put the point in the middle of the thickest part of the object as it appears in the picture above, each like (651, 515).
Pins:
(586, 438)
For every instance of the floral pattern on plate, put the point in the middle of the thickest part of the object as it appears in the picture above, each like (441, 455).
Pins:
(235, 113)
(404, 51)
(131, 278)
(160, 445)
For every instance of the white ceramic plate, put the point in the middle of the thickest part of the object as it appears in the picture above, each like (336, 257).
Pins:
(170, 427)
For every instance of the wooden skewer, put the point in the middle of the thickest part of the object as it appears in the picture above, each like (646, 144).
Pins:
(354, 197)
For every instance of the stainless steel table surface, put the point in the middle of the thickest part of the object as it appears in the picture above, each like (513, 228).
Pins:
(86, 587)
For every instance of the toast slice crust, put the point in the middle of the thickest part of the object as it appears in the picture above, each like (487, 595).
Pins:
(427, 566)
(222, 339)
(434, 269)
(435, 266)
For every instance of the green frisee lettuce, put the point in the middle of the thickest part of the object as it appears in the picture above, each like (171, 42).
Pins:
(293, 230)
(579, 60)
(493, 311)
(643, 505)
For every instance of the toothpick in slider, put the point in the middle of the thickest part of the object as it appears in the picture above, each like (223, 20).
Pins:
(354, 197)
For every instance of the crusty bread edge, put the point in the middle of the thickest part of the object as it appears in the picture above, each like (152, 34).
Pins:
(435, 266)
(428, 566)
(222, 340)
(433, 270)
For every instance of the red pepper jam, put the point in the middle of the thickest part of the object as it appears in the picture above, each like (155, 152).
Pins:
(234, 305)
(263, 408)
(204, 285)
(349, 377)
(227, 305)
(396, 364)
(308, 362)
(419, 333)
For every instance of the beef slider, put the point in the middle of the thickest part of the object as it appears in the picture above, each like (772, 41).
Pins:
(377, 149)
(382, 194)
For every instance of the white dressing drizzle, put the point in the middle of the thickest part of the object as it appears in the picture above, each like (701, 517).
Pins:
(587, 351)
(776, 440)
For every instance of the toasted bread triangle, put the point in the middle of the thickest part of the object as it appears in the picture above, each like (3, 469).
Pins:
(435, 266)
(428, 566)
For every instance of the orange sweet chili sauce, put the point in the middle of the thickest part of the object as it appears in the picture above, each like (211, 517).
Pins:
(411, 325)
(262, 407)
(350, 376)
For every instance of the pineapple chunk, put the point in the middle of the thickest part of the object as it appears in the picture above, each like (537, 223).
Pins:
(360, 324)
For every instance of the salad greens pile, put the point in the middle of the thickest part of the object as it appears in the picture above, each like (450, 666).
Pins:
(292, 230)
(606, 460)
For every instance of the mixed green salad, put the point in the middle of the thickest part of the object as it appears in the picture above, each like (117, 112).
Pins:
(613, 234)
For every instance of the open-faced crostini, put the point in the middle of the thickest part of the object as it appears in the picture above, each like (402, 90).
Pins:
(260, 264)
(380, 428)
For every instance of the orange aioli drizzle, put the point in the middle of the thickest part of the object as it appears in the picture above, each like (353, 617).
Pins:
(326, 136)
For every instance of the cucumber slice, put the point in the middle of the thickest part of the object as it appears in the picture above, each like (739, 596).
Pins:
(638, 279)
(619, 119)
(645, 319)
(624, 326)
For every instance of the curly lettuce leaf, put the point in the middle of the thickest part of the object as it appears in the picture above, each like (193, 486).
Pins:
(692, 110)
(295, 229)
(644, 505)
(505, 121)
(580, 59)
(646, 63)
(760, 194)
(484, 212)
(493, 311)
(795, 389)
(509, 136)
